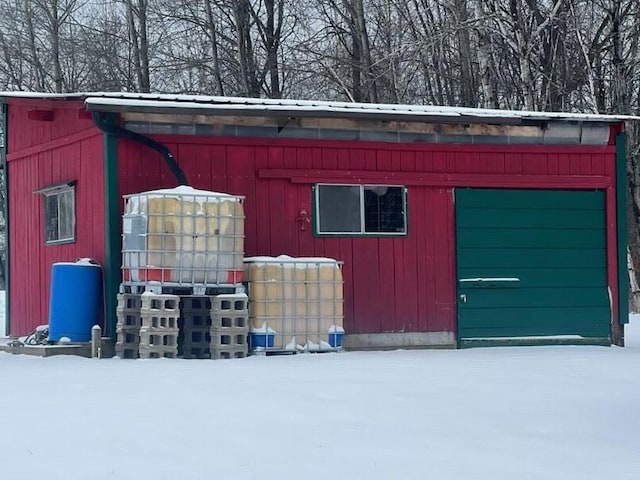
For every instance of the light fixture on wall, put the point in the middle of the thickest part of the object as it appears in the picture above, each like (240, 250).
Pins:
(303, 220)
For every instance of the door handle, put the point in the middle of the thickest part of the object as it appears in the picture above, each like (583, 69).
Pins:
(463, 298)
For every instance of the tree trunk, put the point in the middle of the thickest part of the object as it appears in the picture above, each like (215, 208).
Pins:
(55, 46)
(145, 80)
(245, 53)
(213, 39)
(485, 61)
(38, 70)
(468, 93)
(139, 42)
(272, 45)
(364, 62)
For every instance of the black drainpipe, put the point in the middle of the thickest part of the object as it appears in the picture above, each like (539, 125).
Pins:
(146, 141)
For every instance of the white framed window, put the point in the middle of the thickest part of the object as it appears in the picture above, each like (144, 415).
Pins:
(376, 210)
(59, 213)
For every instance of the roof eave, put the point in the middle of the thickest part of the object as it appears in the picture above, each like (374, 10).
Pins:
(222, 110)
(121, 102)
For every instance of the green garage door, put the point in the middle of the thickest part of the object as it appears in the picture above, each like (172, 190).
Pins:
(531, 263)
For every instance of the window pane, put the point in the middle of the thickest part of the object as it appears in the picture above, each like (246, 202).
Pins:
(384, 209)
(339, 208)
(59, 216)
(67, 215)
(51, 218)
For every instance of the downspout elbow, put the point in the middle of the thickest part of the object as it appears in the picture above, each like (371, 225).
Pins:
(120, 132)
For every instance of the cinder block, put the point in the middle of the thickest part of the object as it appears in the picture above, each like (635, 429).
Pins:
(129, 302)
(127, 351)
(228, 338)
(230, 321)
(128, 336)
(228, 353)
(150, 337)
(195, 303)
(157, 319)
(200, 352)
(196, 336)
(230, 305)
(199, 319)
(157, 352)
(163, 302)
(129, 319)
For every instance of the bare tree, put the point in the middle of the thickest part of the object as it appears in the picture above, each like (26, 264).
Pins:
(487, 67)
(212, 35)
(32, 42)
(229, 47)
(137, 12)
(468, 89)
(102, 50)
(13, 67)
(343, 48)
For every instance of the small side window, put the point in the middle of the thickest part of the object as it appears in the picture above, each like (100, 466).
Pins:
(59, 214)
(360, 209)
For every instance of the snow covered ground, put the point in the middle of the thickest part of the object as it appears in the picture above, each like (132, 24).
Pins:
(491, 413)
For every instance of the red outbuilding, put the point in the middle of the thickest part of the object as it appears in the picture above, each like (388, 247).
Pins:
(456, 226)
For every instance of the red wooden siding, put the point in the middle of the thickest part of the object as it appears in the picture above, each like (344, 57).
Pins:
(26, 133)
(399, 284)
(41, 154)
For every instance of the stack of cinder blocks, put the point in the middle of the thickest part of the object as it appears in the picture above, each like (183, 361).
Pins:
(195, 325)
(149, 326)
(229, 326)
(128, 325)
(159, 331)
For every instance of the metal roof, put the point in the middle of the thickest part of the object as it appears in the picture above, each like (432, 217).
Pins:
(211, 105)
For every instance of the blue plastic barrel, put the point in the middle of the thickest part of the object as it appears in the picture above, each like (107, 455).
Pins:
(261, 339)
(75, 304)
(335, 339)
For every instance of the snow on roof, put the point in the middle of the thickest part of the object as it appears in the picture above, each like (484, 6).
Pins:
(177, 103)
(42, 95)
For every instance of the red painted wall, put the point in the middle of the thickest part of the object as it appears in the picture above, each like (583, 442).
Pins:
(401, 284)
(40, 154)
(26, 133)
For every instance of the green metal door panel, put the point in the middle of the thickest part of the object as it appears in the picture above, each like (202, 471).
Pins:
(539, 277)
(521, 199)
(530, 238)
(582, 321)
(560, 219)
(504, 297)
(532, 258)
(531, 263)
